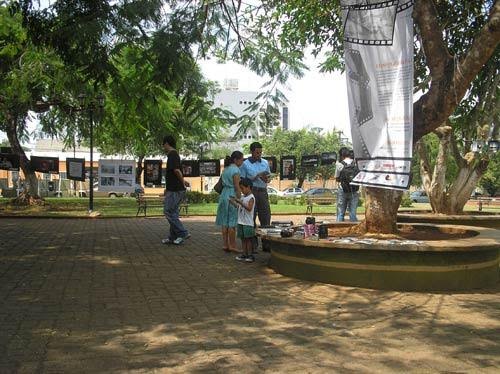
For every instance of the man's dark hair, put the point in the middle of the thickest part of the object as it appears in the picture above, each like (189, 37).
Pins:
(254, 146)
(170, 140)
(246, 182)
(343, 153)
(351, 154)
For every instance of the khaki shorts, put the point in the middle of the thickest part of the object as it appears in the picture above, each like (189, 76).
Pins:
(245, 231)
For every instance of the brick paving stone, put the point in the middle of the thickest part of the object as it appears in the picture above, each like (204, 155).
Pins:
(104, 295)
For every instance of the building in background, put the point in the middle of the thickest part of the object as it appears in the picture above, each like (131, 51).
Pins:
(246, 103)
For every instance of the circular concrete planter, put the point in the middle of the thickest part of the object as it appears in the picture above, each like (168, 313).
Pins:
(482, 219)
(433, 265)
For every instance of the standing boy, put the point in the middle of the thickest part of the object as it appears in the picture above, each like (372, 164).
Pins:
(175, 191)
(245, 230)
(257, 170)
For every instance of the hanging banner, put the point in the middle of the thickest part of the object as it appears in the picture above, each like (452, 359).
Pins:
(287, 171)
(75, 169)
(378, 41)
(152, 172)
(9, 161)
(190, 168)
(209, 168)
(308, 162)
(45, 164)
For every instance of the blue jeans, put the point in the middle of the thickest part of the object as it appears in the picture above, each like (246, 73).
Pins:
(347, 200)
(171, 212)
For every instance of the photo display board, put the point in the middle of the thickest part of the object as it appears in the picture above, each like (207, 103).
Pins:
(190, 168)
(152, 172)
(75, 168)
(210, 168)
(328, 158)
(9, 161)
(271, 160)
(117, 175)
(309, 161)
(45, 164)
(288, 165)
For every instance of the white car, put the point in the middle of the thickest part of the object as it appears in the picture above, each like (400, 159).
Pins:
(272, 191)
(292, 191)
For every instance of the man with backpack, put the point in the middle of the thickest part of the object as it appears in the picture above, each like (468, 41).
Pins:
(347, 194)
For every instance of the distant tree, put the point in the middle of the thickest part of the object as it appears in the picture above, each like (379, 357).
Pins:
(300, 143)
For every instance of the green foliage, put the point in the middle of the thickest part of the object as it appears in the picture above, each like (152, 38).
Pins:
(273, 199)
(303, 142)
(196, 197)
(406, 201)
(491, 179)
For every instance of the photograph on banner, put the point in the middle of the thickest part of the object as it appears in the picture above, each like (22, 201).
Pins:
(328, 158)
(107, 181)
(190, 168)
(152, 172)
(126, 182)
(309, 161)
(378, 45)
(75, 168)
(388, 165)
(210, 168)
(125, 169)
(288, 165)
(107, 168)
(271, 160)
(382, 180)
(9, 161)
(45, 164)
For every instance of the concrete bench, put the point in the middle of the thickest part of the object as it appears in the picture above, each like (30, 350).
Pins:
(150, 201)
(310, 201)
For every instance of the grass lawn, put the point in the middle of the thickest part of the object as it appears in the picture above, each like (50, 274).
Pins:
(127, 207)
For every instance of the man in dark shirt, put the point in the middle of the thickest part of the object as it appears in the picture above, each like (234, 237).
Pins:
(175, 191)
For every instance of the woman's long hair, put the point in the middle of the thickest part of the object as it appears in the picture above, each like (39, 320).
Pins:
(236, 155)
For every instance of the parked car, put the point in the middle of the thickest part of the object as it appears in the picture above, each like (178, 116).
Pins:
(272, 191)
(292, 191)
(320, 192)
(419, 197)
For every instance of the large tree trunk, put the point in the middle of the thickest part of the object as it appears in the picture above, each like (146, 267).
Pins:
(381, 211)
(450, 199)
(31, 182)
(301, 181)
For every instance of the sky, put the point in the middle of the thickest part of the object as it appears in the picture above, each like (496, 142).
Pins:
(316, 100)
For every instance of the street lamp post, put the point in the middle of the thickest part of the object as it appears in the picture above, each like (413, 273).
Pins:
(99, 103)
(203, 147)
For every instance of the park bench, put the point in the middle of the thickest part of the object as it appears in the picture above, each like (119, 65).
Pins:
(310, 201)
(484, 201)
(150, 201)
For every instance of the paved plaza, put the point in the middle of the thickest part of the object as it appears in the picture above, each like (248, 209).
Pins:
(105, 296)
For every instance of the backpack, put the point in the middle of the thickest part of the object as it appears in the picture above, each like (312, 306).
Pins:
(346, 176)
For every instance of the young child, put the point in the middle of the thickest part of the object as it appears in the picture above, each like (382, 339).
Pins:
(246, 229)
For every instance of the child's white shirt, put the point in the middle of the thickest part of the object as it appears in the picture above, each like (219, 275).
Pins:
(245, 217)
